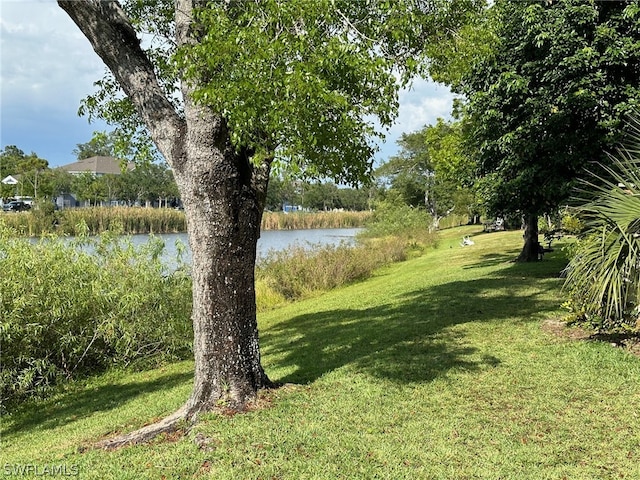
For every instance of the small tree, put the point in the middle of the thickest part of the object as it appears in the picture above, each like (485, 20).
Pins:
(90, 188)
(410, 172)
(56, 182)
(29, 168)
(431, 170)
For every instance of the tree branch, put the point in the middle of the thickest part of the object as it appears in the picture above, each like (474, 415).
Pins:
(114, 39)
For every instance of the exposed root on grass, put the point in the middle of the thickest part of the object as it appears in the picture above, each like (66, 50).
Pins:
(169, 424)
(180, 422)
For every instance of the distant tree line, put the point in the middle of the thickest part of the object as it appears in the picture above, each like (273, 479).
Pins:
(148, 182)
(319, 196)
(152, 182)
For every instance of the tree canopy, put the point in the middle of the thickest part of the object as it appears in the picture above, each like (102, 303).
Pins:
(13, 161)
(549, 99)
(101, 145)
(327, 73)
(432, 170)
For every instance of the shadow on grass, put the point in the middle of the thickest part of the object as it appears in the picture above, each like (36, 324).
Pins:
(493, 259)
(551, 266)
(73, 406)
(411, 340)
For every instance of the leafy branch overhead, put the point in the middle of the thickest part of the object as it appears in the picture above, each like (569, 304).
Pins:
(312, 82)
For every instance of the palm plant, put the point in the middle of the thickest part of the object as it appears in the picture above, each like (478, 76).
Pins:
(603, 277)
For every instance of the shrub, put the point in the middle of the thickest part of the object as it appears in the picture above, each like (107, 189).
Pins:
(391, 236)
(298, 272)
(572, 224)
(71, 308)
(603, 276)
(43, 218)
(400, 220)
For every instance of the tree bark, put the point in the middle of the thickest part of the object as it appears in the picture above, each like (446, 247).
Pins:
(223, 207)
(223, 195)
(531, 248)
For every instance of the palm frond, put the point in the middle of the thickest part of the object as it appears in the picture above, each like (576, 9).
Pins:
(604, 275)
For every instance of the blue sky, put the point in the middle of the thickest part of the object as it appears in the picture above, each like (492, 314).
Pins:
(47, 67)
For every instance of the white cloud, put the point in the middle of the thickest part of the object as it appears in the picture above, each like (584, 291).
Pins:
(47, 67)
(46, 62)
(421, 104)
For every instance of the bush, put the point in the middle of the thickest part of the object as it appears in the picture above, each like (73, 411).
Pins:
(603, 276)
(72, 308)
(393, 233)
(453, 220)
(572, 224)
(299, 272)
(400, 220)
(296, 272)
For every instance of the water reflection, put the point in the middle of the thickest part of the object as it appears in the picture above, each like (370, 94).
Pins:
(269, 240)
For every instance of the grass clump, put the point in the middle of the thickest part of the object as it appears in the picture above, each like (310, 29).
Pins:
(131, 220)
(298, 272)
(400, 220)
(391, 236)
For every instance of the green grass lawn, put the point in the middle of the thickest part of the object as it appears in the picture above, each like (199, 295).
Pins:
(436, 368)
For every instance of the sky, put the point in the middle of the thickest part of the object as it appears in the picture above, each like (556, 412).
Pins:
(47, 67)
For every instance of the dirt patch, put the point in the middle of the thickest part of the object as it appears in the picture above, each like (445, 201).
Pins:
(560, 329)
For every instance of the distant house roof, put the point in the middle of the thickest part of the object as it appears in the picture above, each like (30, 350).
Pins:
(97, 166)
(11, 180)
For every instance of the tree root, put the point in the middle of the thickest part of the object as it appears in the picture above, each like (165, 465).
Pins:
(147, 433)
(183, 417)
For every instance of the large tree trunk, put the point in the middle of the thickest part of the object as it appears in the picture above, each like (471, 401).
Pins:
(223, 208)
(223, 194)
(531, 248)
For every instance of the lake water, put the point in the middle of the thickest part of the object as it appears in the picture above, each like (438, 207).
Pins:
(269, 240)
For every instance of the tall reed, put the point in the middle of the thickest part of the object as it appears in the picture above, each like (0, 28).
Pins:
(308, 220)
(132, 220)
